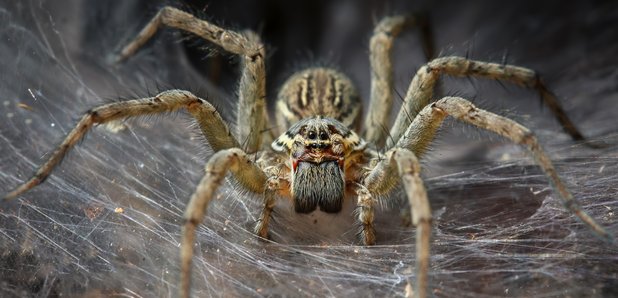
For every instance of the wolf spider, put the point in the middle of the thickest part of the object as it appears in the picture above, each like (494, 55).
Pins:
(320, 160)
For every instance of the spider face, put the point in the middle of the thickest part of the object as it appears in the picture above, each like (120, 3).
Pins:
(317, 148)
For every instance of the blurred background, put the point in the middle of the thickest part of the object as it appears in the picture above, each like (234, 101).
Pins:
(107, 222)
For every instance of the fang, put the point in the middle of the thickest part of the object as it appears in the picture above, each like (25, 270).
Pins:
(318, 184)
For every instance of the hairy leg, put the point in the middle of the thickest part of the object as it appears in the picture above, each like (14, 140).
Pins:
(251, 113)
(382, 179)
(380, 48)
(234, 160)
(213, 127)
(423, 130)
(261, 227)
(420, 91)
(365, 212)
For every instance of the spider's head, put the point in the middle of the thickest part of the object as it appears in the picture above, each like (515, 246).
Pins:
(317, 149)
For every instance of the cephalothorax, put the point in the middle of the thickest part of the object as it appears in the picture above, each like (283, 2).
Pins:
(321, 105)
(321, 159)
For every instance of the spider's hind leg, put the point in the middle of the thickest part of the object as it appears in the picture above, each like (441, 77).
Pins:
(380, 48)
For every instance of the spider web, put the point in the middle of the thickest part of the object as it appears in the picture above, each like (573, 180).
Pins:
(108, 221)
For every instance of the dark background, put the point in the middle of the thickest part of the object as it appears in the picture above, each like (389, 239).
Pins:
(499, 230)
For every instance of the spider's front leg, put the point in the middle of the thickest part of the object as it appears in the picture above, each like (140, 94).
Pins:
(420, 91)
(381, 180)
(213, 127)
(251, 110)
(234, 160)
(424, 126)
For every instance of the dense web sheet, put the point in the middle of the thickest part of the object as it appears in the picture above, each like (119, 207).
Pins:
(108, 220)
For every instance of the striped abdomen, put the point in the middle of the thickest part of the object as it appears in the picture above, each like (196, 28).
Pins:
(318, 91)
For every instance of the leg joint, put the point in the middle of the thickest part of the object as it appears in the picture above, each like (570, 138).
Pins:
(528, 138)
(191, 221)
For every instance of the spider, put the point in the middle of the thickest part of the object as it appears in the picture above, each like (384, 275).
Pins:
(321, 160)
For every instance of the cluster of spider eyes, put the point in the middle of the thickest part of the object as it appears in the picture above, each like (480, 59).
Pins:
(312, 135)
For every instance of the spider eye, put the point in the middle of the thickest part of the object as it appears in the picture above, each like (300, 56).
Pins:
(323, 136)
(312, 135)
